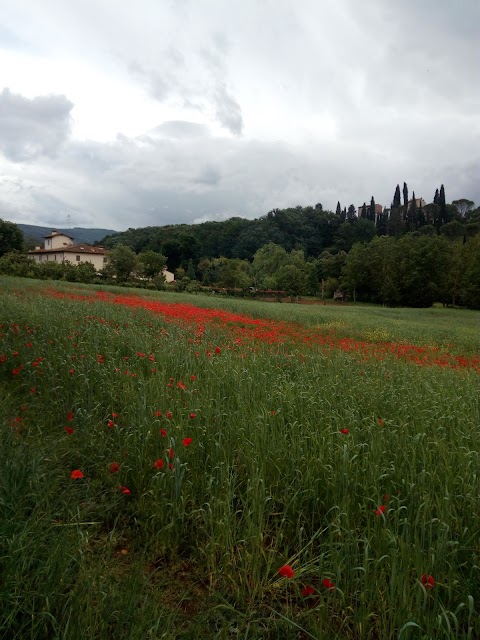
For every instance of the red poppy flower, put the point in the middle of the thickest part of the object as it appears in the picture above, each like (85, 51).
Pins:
(69, 430)
(163, 433)
(380, 510)
(76, 474)
(344, 431)
(114, 467)
(380, 422)
(158, 413)
(192, 378)
(71, 371)
(114, 415)
(286, 571)
(193, 416)
(181, 385)
(168, 415)
(70, 416)
(170, 466)
(187, 441)
(171, 453)
(125, 490)
(17, 370)
(308, 590)
(158, 464)
(328, 584)
(428, 581)
(217, 350)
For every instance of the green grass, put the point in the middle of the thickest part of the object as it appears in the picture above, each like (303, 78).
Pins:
(269, 479)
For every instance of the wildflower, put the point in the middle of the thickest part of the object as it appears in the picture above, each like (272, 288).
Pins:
(111, 423)
(76, 474)
(328, 584)
(344, 431)
(187, 441)
(181, 385)
(168, 415)
(380, 510)
(69, 430)
(286, 571)
(192, 378)
(171, 453)
(71, 371)
(428, 581)
(163, 433)
(193, 416)
(380, 422)
(114, 415)
(70, 416)
(124, 490)
(158, 413)
(217, 350)
(308, 590)
(114, 467)
(158, 464)
(17, 370)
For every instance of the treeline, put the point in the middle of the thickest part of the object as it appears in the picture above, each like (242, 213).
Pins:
(309, 229)
(414, 271)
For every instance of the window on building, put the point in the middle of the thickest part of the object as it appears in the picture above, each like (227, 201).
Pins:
(78, 258)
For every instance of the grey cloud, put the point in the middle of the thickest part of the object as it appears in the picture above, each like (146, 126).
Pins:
(228, 110)
(209, 175)
(133, 182)
(32, 128)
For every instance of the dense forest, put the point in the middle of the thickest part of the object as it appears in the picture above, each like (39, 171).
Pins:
(410, 254)
(309, 229)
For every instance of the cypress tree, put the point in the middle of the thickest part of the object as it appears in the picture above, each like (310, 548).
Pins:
(371, 210)
(443, 205)
(405, 196)
(412, 214)
(396, 198)
(339, 209)
(436, 197)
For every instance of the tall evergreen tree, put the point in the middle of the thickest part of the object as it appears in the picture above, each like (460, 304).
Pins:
(436, 197)
(412, 214)
(364, 211)
(405, 196)
(339, 209)
(443, 205)
(371, 210)
(396, 198)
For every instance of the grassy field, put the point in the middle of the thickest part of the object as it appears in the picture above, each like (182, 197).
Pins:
(178, 471)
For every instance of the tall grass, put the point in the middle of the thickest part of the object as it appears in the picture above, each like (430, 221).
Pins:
(268, 479)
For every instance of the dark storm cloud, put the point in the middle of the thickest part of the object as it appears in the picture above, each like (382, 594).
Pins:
(32, 128)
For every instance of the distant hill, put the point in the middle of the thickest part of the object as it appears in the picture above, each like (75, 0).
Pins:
(34, 234)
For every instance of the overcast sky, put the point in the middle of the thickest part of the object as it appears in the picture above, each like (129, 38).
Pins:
(127, 114)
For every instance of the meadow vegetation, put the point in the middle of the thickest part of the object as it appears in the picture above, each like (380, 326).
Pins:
(196, 467)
